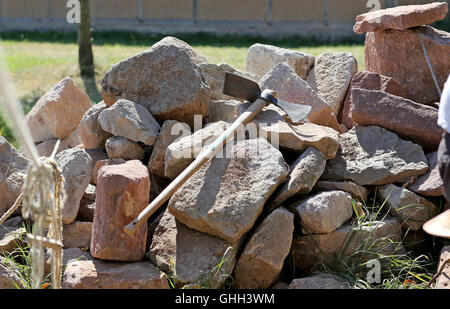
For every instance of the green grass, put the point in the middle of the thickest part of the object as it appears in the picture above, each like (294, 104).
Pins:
(38, 60)
(400, 269)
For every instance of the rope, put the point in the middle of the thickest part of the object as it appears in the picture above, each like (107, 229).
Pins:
(42, 191)
(429, 64)
(42, 197)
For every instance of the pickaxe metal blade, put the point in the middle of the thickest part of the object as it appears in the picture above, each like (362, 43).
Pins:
(247, 89)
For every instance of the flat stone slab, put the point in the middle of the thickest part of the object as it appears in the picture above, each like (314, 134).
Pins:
(304, 173)
(170, 131)
(370, 81)
(190, 256)
(292, 88)
(413, 121)
(96, 274)
(400, 17)
(375, 156)
(412, 209)
(261, 58)
(185, 149)
(319, 281)
(443, 281)
(358, 192)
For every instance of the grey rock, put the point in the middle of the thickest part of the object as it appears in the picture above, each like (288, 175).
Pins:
(96, 155)
(305, 171)
(96, 274)
(226, 195)
(215, 76)
(190, 256)
(121, 147)
(77, 235)
(333, 73)
(13, 169)
(375, 156)
(166, 79)
(73, 139)
(358, 192)
(86, 211)
(12, 235)
(262, 58)
(130, 120)
(76, 168)
(430, 183)
(319, 281)
(263, 257)
(46, 148)
(325, 212)
(412, 209)
(90, 131)
(182, 152)
(383, 237)
(90, 193)
(224, 110)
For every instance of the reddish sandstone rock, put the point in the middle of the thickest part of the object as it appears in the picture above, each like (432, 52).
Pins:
(370, 81)
(400, 17)
(122, 193)
(398, 54)
(412, 121)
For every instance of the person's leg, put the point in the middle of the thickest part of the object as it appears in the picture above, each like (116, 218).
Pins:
(443, 157)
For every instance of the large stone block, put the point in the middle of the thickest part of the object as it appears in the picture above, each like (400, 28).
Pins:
(398, 54)
(122, 193)
(226, 195)
(58, 112)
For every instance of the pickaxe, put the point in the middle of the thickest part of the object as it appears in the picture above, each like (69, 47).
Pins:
(235, 86)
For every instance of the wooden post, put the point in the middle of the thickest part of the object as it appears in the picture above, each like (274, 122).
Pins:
(201, 159)
(269, 12)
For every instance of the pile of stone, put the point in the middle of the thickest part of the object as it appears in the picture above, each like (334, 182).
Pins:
(249, 217)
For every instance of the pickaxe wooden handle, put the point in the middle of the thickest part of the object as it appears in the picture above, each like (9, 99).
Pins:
(201, 159)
